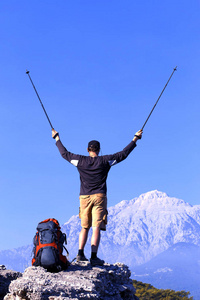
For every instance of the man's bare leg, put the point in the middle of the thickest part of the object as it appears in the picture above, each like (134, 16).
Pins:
(95, 240)
(82, 241)
(83, 238)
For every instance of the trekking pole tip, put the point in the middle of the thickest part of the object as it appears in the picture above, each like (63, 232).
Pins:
(27, 72)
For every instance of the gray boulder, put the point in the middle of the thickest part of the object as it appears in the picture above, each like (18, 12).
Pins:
(6, 276)
(80, 281)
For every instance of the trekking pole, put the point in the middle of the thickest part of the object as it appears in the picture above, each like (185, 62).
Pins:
(27, 72)
(175, 69)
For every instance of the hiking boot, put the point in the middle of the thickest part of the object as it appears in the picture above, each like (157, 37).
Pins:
(81, 258)
(96, 261)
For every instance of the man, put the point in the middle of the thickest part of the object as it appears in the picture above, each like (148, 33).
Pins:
(93, 170)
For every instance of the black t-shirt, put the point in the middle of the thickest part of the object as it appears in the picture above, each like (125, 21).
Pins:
(94, 170)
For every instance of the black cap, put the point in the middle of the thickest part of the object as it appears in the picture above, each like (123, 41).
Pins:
(93, 146)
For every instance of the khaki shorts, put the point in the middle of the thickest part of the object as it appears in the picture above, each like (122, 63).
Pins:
(93, 211)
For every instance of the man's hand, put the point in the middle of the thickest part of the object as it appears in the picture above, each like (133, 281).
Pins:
(55, 135)
(138, 135)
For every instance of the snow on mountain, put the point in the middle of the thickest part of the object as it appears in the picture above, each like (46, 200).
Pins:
(142, 228)
(138, 230)
(16, 259)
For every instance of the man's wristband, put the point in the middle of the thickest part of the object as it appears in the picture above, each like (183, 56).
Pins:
(139, 137)
(57, 134)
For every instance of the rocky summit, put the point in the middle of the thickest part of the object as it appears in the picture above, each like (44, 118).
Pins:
(6, 276)
(79, 281)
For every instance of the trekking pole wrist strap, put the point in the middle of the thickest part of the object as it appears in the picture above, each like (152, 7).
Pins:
(139, 137)
(57, 134)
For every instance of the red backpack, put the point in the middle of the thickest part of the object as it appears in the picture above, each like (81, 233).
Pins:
(48, 246)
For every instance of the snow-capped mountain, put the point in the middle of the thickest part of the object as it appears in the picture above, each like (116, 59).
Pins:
(141, 228)
(138, 231)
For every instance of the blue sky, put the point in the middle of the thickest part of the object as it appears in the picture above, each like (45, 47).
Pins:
(99, 67)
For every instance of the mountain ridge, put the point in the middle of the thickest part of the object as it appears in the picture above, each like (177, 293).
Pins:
(138, 231)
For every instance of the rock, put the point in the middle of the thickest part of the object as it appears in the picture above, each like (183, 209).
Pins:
(6, 276)
(80, 281)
